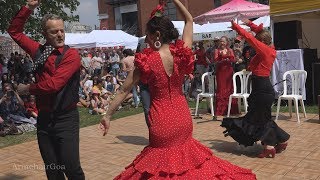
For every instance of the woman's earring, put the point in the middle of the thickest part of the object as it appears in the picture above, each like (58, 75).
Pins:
(157, 44)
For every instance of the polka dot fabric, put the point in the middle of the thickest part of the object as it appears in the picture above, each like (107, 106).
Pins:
(172, 152)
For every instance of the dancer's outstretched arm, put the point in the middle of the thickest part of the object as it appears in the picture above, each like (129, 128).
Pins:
(254, 42)
(132, 79)
(188, 27)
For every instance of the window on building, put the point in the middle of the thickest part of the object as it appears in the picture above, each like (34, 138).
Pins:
(171, 11)
(266, 2)
(130, 22)
(217, 3)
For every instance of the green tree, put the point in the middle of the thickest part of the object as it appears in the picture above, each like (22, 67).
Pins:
(63, 8)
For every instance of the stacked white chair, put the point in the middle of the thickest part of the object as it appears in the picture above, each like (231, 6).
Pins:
(211, 91)
(244, 91)
(297, 77)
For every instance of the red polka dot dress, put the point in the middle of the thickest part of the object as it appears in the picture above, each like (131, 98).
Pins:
(172, 152)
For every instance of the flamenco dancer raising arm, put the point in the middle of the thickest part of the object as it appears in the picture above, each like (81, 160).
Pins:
(172, 152)
(134, 76)
(257, 124)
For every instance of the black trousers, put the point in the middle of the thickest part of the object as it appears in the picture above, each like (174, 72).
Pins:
(58, 139)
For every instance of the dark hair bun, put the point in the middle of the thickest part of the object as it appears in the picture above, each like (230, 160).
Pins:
(166, 28)
(174, 34)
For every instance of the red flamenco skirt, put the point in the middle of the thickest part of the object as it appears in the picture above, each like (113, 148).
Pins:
(188, 161)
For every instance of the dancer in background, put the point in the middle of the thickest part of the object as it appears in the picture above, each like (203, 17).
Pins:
(224, 58)
(172, 152)
(257, 123)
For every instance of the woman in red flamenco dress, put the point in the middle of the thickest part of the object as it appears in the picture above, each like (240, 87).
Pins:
(172, 153)
(223, 58)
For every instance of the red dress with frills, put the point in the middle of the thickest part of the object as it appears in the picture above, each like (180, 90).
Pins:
(224, 73)
(172, 153)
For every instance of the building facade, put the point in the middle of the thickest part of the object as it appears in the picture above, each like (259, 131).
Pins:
(77, 27)
(119, 14)
(131, 16)
(8, 46)
(103, 15)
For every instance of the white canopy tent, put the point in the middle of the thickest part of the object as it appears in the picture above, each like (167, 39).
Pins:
(102, 38)
(210, 30)
(179, 25)
(73, 39)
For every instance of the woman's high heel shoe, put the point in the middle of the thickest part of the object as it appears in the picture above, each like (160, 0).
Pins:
(268, 153)
(281, 147)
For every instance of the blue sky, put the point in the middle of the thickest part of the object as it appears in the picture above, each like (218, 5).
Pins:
(88, 12)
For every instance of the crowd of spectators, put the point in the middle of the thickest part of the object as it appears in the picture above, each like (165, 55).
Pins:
(102, 73)
(17, 113)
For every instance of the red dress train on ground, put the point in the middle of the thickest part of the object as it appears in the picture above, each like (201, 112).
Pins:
(172, 152)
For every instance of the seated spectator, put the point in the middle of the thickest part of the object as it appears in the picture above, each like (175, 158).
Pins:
(12, 111)
(96, 104)
(105, 98)
(114, 80)
(8, 128)
(121, 77)
(29, 79)
(4, 79)
(31, 107)
(84, 93)
(87, 86)
(109, 85)
(11, 103)
(97, 85)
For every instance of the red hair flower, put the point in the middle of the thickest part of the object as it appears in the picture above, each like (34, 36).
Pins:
(159, 10)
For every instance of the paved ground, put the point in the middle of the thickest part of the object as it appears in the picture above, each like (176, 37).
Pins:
(105, 157)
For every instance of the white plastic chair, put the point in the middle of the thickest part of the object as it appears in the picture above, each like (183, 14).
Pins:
(210, 94)
(245, 89)
(297, 77)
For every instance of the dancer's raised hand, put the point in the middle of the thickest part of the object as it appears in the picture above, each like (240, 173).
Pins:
(233, 23)
(32, 4)
(246, 21)
(187, 34)
(104, 124)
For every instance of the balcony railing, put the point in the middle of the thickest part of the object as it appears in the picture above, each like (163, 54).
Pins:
(120, 2)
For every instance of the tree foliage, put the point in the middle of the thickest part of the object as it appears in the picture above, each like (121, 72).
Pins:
(63, 8)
